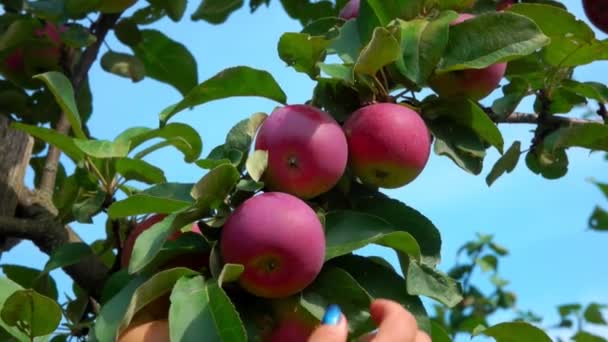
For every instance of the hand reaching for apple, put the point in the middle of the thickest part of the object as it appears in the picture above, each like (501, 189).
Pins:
(394, 324)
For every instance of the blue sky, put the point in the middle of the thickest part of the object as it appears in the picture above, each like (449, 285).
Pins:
(553, 258)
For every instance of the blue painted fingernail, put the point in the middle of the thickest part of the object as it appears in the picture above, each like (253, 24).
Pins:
(332, 315)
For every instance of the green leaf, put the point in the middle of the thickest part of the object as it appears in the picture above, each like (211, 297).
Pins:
(549, 164)
(112, 312)
(438, 333)
(487, 263)
(216, 11)
(583, 336)
(338, 72)
(231, 82)
(204, 305)
(347, 231)
(382, 282)
(335, 286)
(380, 51)
(7, 288)
(36, 314)
(322, 26)
(513, 92)
(407, 219)
(159, 284)
(102, 148)
(240, 137)
(336, 97)
(567, 309)
(593, 313)
(591, 90)
(68, 254)
(175, 8)
(61, 87)
(506, 163)
(599, 219)
(422, 45)
(469, 115)
(31, 278)
(426, 281)
(230, 273)
(593, 136)
(167, 61)
(88, 205)
(77, 36)
(127, 31)
(460, 144)
(256, 164)
(218, 156)
(302, 52)
(515, 332)
(490, 38)
(163, 199)
(63, 142)
(137, 169)
(123, 64)
(348, 43)
(179, 135)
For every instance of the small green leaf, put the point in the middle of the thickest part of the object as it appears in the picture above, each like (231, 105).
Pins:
(515, 332)
(167, 61)
(583, 336)
(88, 205)
(567, 309)
(593, 136)
(469, 115)
(382, 282)
(128, 32)
(36, 314)
(124, 65)
(487, 263)
(302, 52)
(422, 45)
(152, 289)
(380, 51)
(231, 82)
(215, 185)
(593, 313)
(506, 163)
(240, 137)
(347, 231)
(599, 219)
(460, 144)
(77, 36)
(490, 38)
(230, 273)
(31, 278)
(336, 97)
(549, 164)
(256, 164)
(7, 288)
(179, 135)
(112, 312)
(61, 87)
(513, 92)
(348, 44)
(426, 281)
(68, 254)
(219, 155)
(163, 198)
(438, 333)
(335, 286)
(137, 169)
(216, 11)
(591, 90)
(102, 148)
(51, 136)
(203, 304)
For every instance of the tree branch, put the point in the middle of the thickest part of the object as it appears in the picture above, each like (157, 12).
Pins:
(100, 29)
(527, 118)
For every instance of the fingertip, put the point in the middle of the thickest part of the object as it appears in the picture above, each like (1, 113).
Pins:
(331, 333)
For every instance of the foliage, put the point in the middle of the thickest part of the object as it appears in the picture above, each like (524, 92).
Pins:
(391, 52)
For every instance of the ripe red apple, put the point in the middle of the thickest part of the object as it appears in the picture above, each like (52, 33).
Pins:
(474, 84)
(279, 240)
(350, 10)
(307, 151)
(389, 144)
(115, 6)
(143, 226)
(153, 331)
(597, 12)
(34, 57)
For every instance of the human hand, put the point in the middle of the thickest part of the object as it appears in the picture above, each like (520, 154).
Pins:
(393, 321)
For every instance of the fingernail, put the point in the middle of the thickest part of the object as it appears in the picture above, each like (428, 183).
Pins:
(332, 315)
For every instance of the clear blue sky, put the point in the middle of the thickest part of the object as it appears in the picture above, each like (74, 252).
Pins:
(553, 258)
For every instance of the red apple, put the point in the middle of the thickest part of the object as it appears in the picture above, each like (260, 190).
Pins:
(389, 144)
(143, 226)
(597, 12)
(307, 151)
(350, 10)
(291, 322)
(279, 240)
(474, 84)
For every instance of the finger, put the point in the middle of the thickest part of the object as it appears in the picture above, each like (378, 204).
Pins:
(421, 336)
(333, 329)
(394, 322)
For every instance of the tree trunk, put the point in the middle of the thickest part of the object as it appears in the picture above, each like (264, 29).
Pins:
(15, 154)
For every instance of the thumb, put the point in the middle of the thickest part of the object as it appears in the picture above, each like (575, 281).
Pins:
(333, 329)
